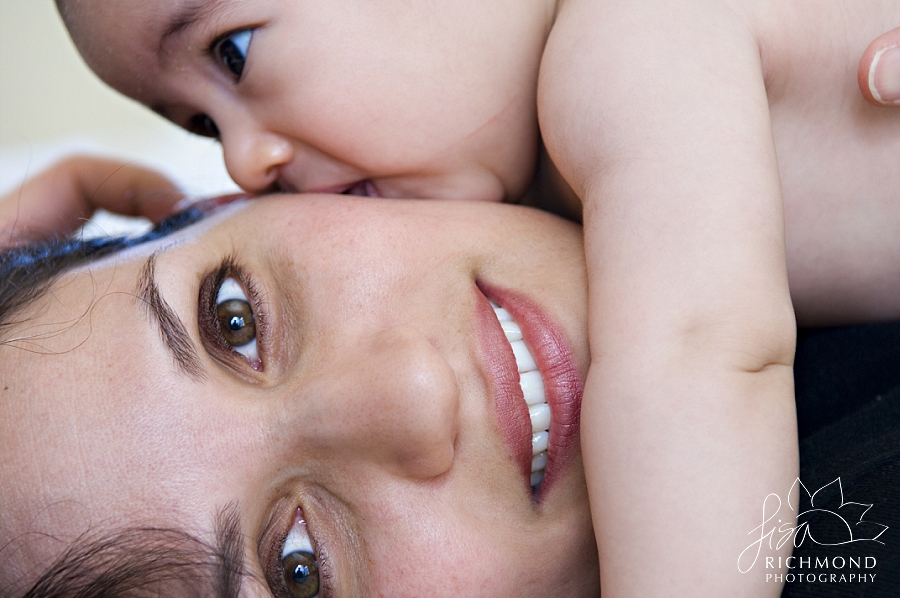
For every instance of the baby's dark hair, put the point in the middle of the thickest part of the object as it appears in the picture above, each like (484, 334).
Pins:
(28, 270)
(61, 6)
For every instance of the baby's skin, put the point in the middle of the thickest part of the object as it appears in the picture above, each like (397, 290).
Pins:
(732, 180)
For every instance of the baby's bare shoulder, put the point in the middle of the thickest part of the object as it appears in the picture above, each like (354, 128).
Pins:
(608, 66)
(636, 17)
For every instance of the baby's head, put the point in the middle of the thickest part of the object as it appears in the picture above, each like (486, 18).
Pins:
(431, 99)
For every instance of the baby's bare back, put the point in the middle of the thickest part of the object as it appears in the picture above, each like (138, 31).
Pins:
(838, 159)
(837, 155)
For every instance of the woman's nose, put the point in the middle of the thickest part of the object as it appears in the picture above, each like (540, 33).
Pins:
(254, 157)
(392, 402)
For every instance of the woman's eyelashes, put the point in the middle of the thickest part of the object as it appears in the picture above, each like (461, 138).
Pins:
(299, 570)
(231, 51)
(232, 319)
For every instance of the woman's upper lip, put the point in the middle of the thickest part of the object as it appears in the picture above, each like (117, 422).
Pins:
(503, 379)
(562, 383)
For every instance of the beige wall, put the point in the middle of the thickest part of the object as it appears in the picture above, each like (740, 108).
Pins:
(51, 104)
(46, 91)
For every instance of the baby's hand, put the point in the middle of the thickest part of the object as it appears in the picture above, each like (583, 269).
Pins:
(58, 200)
(879, 70)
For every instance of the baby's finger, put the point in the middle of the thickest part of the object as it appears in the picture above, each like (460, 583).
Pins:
(879, 70)
(127, 189)
(57, 201)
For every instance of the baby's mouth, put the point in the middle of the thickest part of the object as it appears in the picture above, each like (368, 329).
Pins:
(533, 389)
(364, 188)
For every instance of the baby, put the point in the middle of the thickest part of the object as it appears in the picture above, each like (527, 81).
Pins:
(716, 150)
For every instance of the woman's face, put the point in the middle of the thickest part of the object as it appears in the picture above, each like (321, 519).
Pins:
(366, 408)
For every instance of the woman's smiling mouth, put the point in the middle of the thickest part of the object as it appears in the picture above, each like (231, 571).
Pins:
(537, 387)
(533, 391)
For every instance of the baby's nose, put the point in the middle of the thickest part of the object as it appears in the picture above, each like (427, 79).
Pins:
(394, 404)
(254, 157)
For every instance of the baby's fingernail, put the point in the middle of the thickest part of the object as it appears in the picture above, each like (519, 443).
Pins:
(183, 204)
(208, 204)
(884, 75)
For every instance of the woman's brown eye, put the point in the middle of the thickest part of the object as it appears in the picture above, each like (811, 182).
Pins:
(236, 322)
(301, 574)
(300, 569)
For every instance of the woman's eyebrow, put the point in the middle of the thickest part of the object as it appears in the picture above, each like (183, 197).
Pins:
(171, 328)
(183, 20)
(229, 550)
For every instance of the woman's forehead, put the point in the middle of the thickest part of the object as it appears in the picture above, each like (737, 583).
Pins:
(62, 372)
(193, 232)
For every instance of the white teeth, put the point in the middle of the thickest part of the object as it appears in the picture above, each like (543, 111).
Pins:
(512, 330)
(533, 387)
(540, 417)
(502, 314)
(533, 390)
(523, 357)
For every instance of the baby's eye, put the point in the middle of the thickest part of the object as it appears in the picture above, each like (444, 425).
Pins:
(204, 126)
(300, 570)
(231, 51)
(236, 322)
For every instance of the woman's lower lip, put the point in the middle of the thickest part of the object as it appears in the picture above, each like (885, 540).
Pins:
(562, 383)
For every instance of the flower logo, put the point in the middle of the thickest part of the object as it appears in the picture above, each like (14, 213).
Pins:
(823, 517)
(826, 519)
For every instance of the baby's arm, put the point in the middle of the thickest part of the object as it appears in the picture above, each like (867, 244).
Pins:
(656, 113)
(58, 200)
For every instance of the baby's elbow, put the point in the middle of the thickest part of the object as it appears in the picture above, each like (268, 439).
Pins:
(777, 337)
(752, 338)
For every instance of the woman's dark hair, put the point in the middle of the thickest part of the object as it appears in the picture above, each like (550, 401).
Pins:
(27, 271)
(135, 562)
(145, 562)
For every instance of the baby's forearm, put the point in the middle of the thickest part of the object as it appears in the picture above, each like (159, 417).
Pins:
(688, 416)
(681, 448)
(688, 419)
(687, 426)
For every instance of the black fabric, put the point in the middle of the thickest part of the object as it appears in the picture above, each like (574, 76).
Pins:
(837, 370)
(848, 410)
